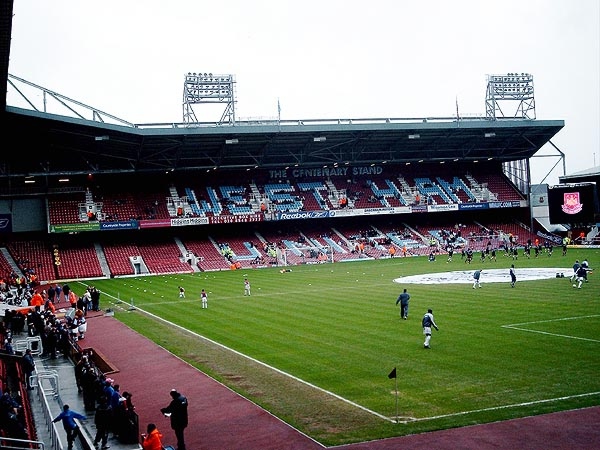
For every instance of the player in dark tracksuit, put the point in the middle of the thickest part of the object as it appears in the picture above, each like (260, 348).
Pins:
(403, 300)
(513, 275)
(576, 267)
(581, 276)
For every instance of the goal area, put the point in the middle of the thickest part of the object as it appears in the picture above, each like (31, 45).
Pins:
(304, 255)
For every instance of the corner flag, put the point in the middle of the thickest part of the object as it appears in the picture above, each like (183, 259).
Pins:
(392, 374)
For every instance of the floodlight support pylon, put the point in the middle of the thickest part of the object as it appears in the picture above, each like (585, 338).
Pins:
(507, 90)
(203, 88)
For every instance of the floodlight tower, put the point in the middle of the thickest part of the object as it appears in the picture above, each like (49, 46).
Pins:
(208, 88)
(507, 90)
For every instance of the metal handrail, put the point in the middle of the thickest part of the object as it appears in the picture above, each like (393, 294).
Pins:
(55, 440)
(20, 444)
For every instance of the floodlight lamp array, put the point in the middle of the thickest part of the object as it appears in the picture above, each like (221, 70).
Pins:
(194, 77)
(199, 86)
(512, 84)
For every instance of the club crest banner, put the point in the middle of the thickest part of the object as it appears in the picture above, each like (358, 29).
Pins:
(571, 203)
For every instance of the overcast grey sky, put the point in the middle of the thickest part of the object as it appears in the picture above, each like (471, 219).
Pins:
(322, 59)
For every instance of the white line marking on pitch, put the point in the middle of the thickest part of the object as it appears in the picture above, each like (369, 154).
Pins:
(518, 326)
(514, 405)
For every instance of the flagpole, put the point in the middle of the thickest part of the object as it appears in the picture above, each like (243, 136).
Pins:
(393, 374)
(278, 112)
(396, 380)
(457, 114)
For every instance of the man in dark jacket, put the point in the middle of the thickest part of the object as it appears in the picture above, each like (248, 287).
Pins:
(102, 419)
(403, 300)
(28, 367)
(177, 410)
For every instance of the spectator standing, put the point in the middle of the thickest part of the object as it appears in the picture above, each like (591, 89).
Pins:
(68, 416)
(58, 290)
(73, 299)
(403, 299)
(36, 300)
(28, 367)
(204, 298)
(428, 322)
(89, 386)
(81, 323)
(11, 411)
(95, 294)
(8, 346)
(79, 367)
(51, 293)
(152, 438)
(178, 411)
(102, 419)
(66, 289)
(85, 301)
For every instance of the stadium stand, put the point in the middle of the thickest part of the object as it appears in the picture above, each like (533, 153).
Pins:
(74, 262)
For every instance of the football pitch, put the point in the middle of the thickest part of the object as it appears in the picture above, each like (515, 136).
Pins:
(315, 345)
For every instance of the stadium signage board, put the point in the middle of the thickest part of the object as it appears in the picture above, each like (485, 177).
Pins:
(296, 215)
(236, 218)
(326, 172)
(511, 204)
(5, 223)
(471, 206)
(342, 213)
(187, 221)
(375, 211)
(155, 223)
(129, 225)
(302, 215)
(75, 227)
(452, 207)
(550, 237)
(418, 208)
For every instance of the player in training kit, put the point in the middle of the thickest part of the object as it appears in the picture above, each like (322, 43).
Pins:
(476, 277)
(428, 323)
(513, 275)
(576, 267)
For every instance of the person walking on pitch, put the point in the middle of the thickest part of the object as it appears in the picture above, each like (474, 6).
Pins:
(428, 322)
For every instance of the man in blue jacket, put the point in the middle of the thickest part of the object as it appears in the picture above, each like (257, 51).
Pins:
(68, 420)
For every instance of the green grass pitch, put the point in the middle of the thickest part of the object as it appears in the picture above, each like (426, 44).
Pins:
(331, 334)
